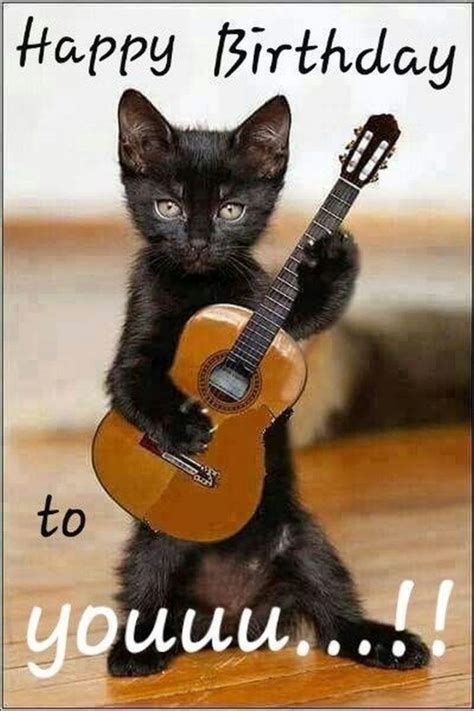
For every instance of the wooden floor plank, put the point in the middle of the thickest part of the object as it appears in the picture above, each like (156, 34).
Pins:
(397, 506)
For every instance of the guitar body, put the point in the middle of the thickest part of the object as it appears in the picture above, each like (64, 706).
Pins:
(208, 496)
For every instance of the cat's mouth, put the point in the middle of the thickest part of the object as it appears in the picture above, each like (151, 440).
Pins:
(198, 263)
(198, 266)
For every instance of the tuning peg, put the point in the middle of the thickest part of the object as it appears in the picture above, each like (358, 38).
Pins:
(342, 157)
(358, 130)
(383, 165)
(350, 144)
(391, 152)
(375, 178)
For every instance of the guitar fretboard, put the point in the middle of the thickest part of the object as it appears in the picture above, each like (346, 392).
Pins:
(271, 314)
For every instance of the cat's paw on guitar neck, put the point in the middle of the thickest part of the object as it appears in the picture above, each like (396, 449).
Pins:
(330, 258)
(326, 278)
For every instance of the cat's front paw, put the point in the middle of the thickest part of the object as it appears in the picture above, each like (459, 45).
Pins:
(121, 662)
(389, 648)
(330, 257)
(188, 430)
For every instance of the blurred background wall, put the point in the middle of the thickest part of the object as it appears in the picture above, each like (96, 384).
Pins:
(68, 240)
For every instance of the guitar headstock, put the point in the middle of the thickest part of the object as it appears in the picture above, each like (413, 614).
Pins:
(369, 151)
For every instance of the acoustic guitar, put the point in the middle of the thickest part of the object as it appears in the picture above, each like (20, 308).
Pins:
(246, 371)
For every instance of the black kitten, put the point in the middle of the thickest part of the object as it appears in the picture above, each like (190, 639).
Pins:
(201, 199)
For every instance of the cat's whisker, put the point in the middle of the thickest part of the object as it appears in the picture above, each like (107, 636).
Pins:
(238, 267)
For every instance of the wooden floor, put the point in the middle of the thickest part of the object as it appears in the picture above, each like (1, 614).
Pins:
(396, 506)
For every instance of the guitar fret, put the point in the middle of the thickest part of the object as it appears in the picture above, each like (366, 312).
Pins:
(277, 302)
(262, 325)
(256, 337)
(336, 217)
(296, 259)
(287, 296)
(290, 270)
(349, 204)
(253, 334)
(246, 349)
(252, 364)
(267, 308)
(245, 346)
(269, 319)
(259, 339)
(241, 357)
(292, 286)
(322, 227)
(349, 183)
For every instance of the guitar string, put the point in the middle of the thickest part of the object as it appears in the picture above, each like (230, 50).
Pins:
(252, 333)
(252, 338)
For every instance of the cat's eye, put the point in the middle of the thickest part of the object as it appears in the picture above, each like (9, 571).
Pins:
(168, 209)
(231, 211)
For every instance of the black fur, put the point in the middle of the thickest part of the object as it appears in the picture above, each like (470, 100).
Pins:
(281, 557)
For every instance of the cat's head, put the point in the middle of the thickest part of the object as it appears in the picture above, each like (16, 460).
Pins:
(201, 198)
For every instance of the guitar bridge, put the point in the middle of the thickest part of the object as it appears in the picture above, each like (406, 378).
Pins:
(200, 473)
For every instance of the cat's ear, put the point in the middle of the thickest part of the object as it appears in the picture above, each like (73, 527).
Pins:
(145, 136)
(262, 139)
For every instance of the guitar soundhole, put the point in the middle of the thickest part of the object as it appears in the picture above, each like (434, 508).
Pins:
(225, 388)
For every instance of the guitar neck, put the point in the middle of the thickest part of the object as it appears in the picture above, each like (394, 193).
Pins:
(271, 314)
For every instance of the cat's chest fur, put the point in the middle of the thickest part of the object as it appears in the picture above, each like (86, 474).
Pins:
(178, 302)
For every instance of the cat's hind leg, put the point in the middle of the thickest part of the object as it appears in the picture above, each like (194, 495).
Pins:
(373, 644)
(321, 590)
(147, 576)
(123, 662)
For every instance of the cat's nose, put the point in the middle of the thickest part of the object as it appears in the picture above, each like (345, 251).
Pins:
(197, 247)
